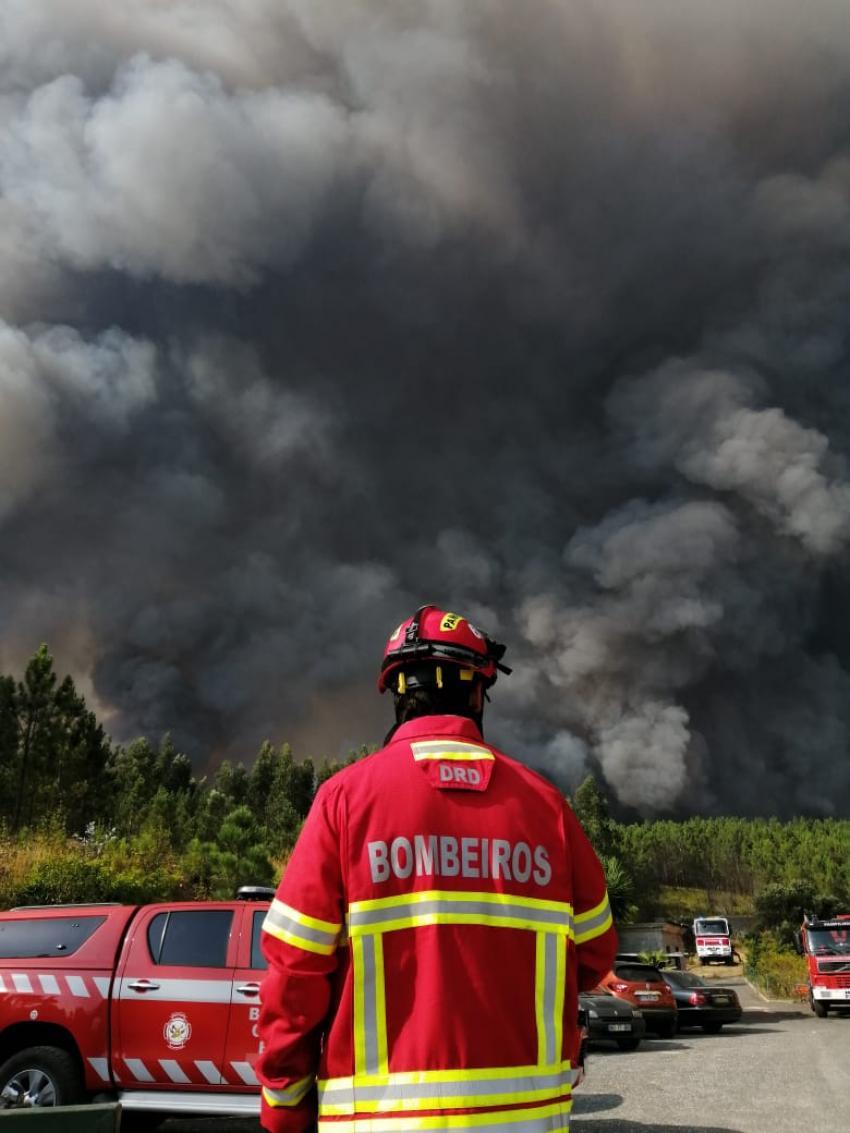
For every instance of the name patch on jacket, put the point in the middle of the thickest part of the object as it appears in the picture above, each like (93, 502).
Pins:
(453, 764)
(443, 855)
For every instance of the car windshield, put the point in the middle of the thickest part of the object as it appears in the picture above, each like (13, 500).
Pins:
(829, 941)
(716, 926)
(683, 979)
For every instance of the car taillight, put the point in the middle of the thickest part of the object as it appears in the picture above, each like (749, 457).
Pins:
(697, 998)
(701, 940)
(619, 987)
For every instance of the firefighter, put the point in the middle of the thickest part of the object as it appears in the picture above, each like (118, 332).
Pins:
(439, 914)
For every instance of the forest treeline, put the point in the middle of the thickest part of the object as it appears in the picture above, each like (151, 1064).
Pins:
(84, 819)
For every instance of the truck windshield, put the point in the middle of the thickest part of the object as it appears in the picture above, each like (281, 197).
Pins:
(714, 926)
(829, 941)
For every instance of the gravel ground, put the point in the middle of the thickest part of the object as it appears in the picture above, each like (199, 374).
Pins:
(777, 1071)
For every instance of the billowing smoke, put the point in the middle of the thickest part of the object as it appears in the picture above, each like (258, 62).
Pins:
(311, 312)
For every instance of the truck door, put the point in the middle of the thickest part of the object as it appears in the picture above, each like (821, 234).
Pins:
(243, 1044)
(173, 998)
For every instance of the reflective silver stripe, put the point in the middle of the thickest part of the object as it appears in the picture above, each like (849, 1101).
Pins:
(78, 986)
(588, 927)
(138, 1069)
(370, 1015)
(49, 984)
(275, 919)
(100, 1067)
(550, 990)
(211, 1072)
(246, 1072)
(178, 991)
(102, 985)
(469, 1089)
(21, 981)
(174, 1070)
(364, 919)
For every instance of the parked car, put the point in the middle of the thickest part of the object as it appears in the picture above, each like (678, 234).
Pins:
(643, 986)
(610, 1019)
(702, 1004)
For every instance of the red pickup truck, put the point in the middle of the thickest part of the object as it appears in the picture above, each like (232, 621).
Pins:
(155, 1005)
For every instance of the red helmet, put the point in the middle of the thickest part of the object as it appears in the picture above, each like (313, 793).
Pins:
(433, 636)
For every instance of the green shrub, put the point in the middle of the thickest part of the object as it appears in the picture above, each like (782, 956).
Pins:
(63, 880)
(773, 967)
(70, 879)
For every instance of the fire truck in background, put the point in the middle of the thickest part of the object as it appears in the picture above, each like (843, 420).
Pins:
(826, 946)
(712, 939)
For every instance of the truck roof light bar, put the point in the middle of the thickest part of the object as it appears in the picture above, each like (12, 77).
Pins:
(254, 893)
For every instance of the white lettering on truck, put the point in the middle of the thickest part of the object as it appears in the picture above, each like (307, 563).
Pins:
(442, 855)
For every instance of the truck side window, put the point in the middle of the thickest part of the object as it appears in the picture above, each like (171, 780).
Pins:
(258, 960)
(45, 936)
(190, 938)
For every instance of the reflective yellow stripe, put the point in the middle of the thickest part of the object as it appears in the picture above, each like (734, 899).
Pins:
(359, 1006)
(540, 996)
(415, 1077)
(499, 910)
(449, 749)
(380, 1008)
(560, 992)
(302, 931)
(300, 941)
(292, 1095)
(539, 1119)
(594, 922)
(475, 1090)
(461, 895)
(302, 918)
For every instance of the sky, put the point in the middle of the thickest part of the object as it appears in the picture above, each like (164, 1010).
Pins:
(314, 312)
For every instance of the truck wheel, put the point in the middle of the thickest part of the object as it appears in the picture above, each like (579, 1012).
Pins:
(820, 1008)
(40, 1076)
(703, 960)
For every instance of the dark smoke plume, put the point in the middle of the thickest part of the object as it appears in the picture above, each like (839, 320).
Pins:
(312, 311)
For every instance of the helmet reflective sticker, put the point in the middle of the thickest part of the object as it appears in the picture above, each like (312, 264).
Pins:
(438, 637)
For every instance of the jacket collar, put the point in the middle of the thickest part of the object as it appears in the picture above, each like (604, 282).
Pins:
(437, 726)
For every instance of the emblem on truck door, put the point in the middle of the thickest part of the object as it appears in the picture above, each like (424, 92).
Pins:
(177, 1031)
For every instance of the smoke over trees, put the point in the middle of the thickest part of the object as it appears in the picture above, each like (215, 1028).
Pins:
(310, 313)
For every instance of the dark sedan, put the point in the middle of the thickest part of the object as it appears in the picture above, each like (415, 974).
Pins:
(702, 1003)
(610, 1019)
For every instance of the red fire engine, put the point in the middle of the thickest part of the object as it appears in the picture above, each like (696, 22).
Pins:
(826, 946)
(153, 1005)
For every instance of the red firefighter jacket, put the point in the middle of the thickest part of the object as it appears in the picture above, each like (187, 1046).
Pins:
(439, 914)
